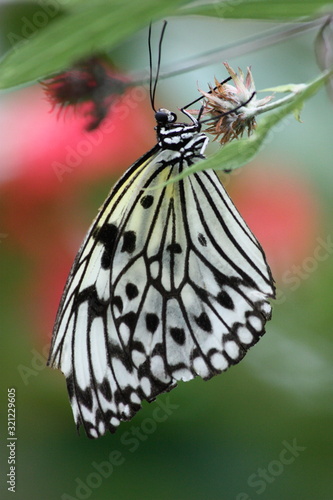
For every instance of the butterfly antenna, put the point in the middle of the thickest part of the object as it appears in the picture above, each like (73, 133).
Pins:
(153, 86)
(150, 69)
(210, 91)
(183, 110)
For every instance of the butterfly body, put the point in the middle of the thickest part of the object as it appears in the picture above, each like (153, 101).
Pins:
(169, 283)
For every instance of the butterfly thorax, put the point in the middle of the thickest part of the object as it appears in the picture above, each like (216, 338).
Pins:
(182, 137)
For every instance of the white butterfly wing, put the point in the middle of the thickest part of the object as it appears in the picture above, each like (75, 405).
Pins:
(169, 284)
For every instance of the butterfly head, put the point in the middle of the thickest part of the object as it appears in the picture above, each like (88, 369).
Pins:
(164, 117)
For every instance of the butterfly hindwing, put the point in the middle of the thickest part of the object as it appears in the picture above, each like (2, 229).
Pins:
(170, 283)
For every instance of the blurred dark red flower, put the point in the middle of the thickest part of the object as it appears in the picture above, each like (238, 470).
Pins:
(93, 81)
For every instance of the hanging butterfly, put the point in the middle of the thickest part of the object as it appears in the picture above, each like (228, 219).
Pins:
(169, 283)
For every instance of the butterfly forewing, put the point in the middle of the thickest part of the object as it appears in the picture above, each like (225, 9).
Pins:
(170, 283)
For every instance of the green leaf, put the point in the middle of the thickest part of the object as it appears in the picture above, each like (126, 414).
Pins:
(239, 152)
(289, 87)
(85, 28)
(259, 9)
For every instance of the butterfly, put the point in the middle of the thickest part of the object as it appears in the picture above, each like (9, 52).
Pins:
(169, 283)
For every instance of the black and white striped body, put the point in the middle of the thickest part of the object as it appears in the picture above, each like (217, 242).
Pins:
(184, 139)
(169, 283)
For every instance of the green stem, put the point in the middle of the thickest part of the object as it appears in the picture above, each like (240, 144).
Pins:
(281, 102)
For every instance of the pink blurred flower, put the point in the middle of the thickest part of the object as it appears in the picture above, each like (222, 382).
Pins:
(45, 149)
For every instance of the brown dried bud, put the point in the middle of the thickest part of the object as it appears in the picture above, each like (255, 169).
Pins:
(232, 107)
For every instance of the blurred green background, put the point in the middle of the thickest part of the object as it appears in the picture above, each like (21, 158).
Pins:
(262, 429)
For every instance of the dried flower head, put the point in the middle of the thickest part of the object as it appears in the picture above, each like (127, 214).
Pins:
(232, 107)
(92, 81)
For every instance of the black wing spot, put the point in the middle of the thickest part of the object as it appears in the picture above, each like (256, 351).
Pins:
(106, 235)
(83, 396)
(117, 302)
(203, 322)
(225, 300)
(178, 335)
(232, 281)
(202, 294)
(96, 306)
(147, 201)
(131, 291)
(174, 248)
(152, 322)
(130, 320)
(202, 240)
(105, 389)
(159, 349)
(129, 242)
